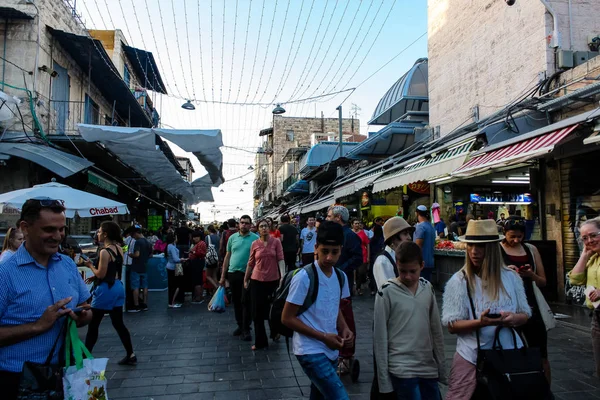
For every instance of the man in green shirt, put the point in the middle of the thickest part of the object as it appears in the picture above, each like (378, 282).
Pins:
(234, 270)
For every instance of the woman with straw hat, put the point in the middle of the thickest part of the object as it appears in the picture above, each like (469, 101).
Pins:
(395, 231)
(499, 299)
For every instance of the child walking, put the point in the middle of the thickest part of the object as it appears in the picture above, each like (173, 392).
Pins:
(409, 346)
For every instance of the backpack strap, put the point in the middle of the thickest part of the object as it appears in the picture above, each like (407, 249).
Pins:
(389, 257)
(380, 291)
(341, 278)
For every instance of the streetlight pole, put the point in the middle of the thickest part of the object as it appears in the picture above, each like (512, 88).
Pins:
(339, 108)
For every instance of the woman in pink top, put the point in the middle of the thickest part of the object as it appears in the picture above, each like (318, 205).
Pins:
(264, 271)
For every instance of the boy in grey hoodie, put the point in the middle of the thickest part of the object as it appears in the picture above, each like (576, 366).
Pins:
(409, 346)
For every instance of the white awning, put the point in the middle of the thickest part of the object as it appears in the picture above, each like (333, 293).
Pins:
(318, 204)
(428, 169)
(594, 138)
(137, 148)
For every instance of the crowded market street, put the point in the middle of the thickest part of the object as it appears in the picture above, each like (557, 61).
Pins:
(190, 354)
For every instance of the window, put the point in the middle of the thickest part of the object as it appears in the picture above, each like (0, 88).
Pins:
(127, 76)
(92, 111)
(289, 136)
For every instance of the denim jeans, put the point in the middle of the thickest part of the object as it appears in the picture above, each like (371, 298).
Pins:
(325, 383)
(416, 388)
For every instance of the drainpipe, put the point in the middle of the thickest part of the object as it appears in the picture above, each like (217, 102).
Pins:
(555, 41)
(570, 26)
(37, 49)
(4, 51)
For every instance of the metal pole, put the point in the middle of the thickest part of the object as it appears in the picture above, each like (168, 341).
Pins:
(339, 108)
(4, 51)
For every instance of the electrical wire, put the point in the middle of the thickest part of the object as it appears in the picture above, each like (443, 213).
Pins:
(307, 69)
(245, 47)
(222, 52)
(109, 14)
(187, 33)
(89, 14)
(368, 51)
(100, 14)
(187, 90)
(353, 41)
(262, 70)
(233, 49)
(331, 64)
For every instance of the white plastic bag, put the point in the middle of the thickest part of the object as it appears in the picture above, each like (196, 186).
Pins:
(87, 383)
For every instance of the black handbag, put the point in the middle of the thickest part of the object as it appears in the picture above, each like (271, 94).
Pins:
(515, 374)
(43, 381)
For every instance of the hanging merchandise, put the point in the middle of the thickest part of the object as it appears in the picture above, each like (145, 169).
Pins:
(435, 212)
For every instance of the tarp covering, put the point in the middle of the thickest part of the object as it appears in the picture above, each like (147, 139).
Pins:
(75, 201)
(137, 148)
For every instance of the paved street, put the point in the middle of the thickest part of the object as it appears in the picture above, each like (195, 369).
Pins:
(190, 354)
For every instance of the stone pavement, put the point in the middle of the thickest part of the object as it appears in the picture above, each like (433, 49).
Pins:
(189, 353)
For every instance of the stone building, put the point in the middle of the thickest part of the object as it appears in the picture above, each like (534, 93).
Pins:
(485, 54)
(294, 133)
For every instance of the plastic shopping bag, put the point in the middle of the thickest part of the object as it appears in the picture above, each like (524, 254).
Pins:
(217, 303)
(86, 380)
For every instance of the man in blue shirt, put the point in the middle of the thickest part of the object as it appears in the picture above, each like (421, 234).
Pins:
(352, 256)
(38, 286)
(425, 238)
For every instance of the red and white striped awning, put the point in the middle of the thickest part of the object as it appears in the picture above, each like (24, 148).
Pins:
(515, 153)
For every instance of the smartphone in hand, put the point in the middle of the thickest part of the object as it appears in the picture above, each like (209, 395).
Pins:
(494, 316)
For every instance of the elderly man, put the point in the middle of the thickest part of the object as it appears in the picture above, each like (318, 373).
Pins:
(38, 286)
(352, 256)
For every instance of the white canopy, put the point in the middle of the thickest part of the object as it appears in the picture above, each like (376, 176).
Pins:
(137, 147)
(75, 201)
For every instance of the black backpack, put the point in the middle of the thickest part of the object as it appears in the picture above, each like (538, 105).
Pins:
(282, 293)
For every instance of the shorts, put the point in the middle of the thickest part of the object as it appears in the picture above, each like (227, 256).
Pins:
(138, 280)
(107, 298)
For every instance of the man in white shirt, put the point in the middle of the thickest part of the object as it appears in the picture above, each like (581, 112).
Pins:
(316, 340)
(308, 238)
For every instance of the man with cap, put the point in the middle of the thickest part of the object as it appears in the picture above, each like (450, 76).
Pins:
(425, 238)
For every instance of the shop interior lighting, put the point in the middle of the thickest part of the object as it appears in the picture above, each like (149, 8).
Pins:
(518, 178)
(445, 178)
(507, 182)
(414, 163)
(508, 203)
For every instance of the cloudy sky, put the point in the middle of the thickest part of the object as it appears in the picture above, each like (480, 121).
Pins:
(236, 58)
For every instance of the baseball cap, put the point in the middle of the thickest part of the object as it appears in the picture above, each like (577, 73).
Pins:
(421, 208)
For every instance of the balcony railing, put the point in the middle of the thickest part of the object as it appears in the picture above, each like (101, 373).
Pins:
(289, 182)
(64, 116)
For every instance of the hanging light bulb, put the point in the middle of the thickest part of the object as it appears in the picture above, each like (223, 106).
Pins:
(221, 190)
(245, 182)
(241, 190)
(250, 168)
(278, 110)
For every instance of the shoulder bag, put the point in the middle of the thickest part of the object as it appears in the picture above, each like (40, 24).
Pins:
(545, 310)
(515, 374)
(43, 381)
(212, 257)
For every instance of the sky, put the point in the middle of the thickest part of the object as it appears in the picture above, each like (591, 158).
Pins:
(236, 59)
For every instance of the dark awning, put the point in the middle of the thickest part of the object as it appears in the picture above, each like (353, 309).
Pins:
(144, 66)
(13, 13)
(61, 163)
(89, 52)
(409, 93)
(388, 141)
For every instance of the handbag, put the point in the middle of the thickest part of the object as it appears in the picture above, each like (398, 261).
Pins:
(515, 374)
(43, 381)
(178, 269)
(212, 257)
(545, 310)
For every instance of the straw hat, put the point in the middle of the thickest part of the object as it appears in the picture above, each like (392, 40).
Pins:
(483, 231)
(394, 225)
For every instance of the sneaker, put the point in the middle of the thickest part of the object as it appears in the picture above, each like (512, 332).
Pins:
(134, 309)
(143, 306)
(246, 336)
(177, 305)
(237, 332)
(127, 360)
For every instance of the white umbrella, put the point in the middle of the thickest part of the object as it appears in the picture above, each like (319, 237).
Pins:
(75, 201)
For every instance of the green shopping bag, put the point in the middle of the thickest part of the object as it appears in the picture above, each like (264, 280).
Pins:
(86, 378)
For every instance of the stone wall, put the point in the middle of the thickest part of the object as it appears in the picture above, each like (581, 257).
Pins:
(485, 53)
(303, 129)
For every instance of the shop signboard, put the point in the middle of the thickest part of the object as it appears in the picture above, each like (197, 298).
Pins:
(500, 198)
(365, 202)
(102, 183)
(420, 187)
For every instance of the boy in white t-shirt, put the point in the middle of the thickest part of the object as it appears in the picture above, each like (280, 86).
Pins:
(316, 340)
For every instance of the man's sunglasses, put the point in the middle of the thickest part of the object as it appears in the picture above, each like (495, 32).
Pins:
(47, 202)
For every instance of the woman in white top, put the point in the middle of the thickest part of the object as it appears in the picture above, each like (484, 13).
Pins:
(499, 299)
(12, 241)
(175, 283)
(395, 231)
